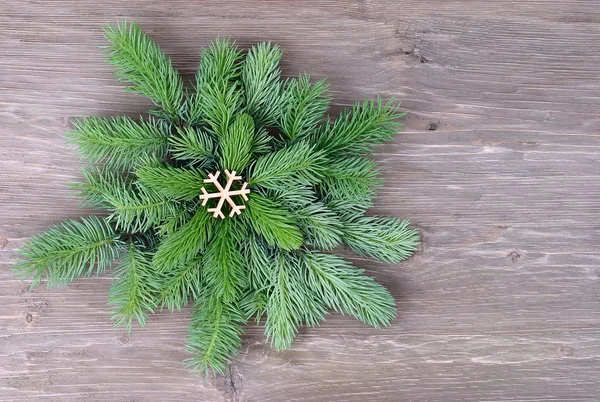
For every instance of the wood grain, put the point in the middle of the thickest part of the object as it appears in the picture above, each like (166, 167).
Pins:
(498, 167)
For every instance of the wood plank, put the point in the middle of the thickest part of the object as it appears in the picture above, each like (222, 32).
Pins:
(497, 166)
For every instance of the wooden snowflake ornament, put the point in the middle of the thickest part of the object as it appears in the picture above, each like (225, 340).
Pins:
(224, 194)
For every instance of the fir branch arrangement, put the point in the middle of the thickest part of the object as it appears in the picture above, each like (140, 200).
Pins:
(268, 250)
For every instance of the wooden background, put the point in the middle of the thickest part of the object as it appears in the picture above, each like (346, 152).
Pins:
(498, 167)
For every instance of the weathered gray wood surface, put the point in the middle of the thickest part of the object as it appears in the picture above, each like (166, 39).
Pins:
(498, 166)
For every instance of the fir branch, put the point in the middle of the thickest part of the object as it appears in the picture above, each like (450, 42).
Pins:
(262, 142)
(217, 94)
(169, 181)
(69, 250)
(351, 176)
(348, 208)
(134, 208)
(261, 83)
(359, 130)
(258, 255)
(175, 221)
(298, 163)
(347, 290)
(272, 222)
(181, 284)
(214, 335)
(237, 143)
(118, 142)
(254, 304)
(291, 302)
(185, 243)
(132, 292)
(322, 227)
(223, 262)
(293, 196)
(305, 106)
(140, 61)
(348, 187)
(384, 238)
(192, 144)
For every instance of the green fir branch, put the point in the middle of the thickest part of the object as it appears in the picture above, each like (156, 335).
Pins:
(191, 144)
(383, 238)
(351, 176)
(69, 250)
(305, 106)
(118, 142)
(132, 292)
(262, 143)
(141, 62)
(180, 285)
(171, 223)
(134, 207)
(223, 261)
(185, 243)
(359, 130)
(217, 94)
(347, 290)
(260, 78)
(321, 226)
(214, 335)
(258, 255)
(237, 143)
(172, 182)
(272, 222)
(298, 163)
(291, 302)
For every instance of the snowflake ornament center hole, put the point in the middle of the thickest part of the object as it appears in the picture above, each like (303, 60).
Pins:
(224, 194)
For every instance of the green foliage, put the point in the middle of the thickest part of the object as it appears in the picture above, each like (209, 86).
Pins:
(260, 80)
(185, 243)
(217, 95)
(118, 142)
(214, 335)
(291, 302)
(384, 238)
(172, 182)
(323, 227)
(347, 290)
(193, 145)
(131, 292)
(304, 107)
(274, 223)
(297, 163)
(223, 262)
(180, 284)
(69, 250)
(357, 131)
(310, 181)
(236, 144)
(141, 62)
(134, 207)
